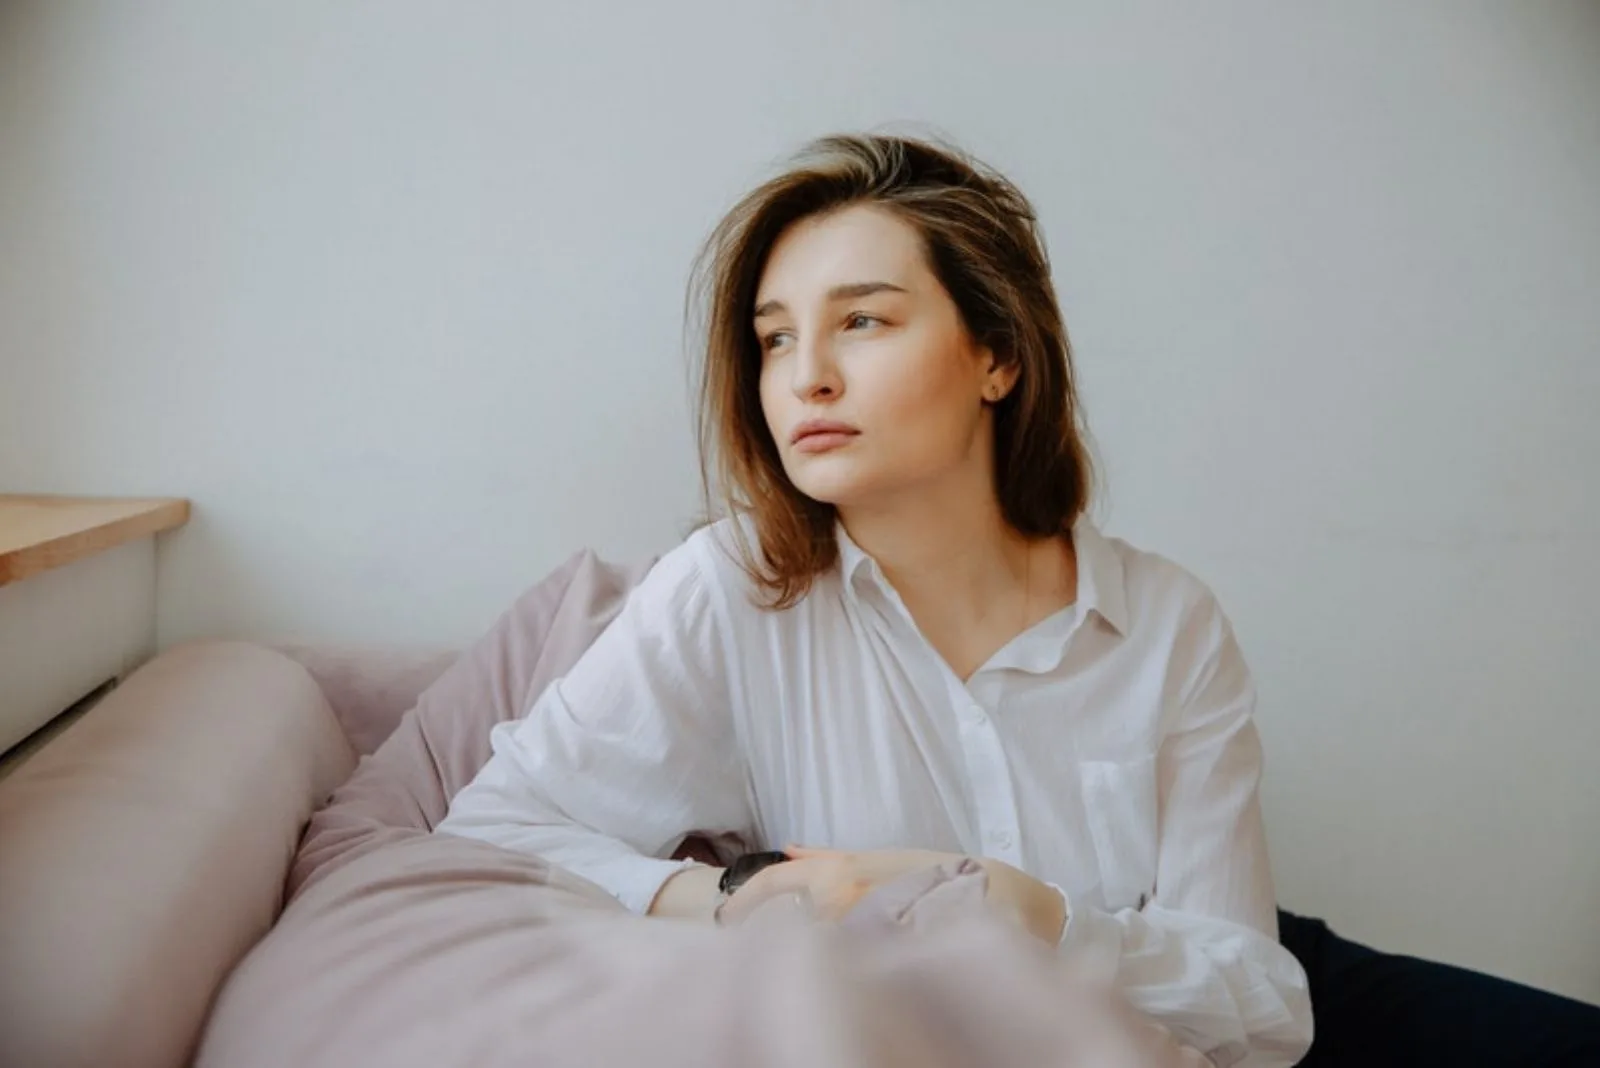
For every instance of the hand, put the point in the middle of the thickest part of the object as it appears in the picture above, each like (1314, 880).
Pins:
(836, 881)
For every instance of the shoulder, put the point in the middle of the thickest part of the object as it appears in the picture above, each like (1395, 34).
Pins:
(703, 571)
(1175, 619)
(1156, 593)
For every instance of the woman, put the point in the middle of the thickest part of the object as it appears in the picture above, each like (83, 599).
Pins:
(907, 642)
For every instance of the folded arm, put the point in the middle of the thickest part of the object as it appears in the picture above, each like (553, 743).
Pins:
(632, 750)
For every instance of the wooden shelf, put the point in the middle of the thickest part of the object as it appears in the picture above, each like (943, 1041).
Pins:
(40, 533)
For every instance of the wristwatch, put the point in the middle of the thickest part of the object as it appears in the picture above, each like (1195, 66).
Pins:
(739, 872)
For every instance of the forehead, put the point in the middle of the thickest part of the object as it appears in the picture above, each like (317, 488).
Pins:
(857, 244)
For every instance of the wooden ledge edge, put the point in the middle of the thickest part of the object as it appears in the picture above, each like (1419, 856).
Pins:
(83, 527)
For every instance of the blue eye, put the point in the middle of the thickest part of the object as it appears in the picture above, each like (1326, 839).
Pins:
(860, 321)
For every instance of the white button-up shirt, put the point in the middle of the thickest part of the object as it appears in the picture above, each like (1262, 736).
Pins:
(1109, 750)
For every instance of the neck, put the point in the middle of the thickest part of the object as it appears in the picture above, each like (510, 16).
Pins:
(942, 549)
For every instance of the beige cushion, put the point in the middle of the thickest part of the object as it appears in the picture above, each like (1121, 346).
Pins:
(144, 851)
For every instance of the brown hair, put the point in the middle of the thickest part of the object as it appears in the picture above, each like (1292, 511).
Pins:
(983, 243)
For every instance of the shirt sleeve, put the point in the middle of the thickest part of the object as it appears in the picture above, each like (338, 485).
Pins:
(633, 750)
(1202, 956)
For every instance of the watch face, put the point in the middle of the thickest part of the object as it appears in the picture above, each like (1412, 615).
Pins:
(740, 871)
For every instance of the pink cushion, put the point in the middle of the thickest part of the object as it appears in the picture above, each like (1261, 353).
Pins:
(439, 745)
(143, 852)
(370, 689)
(440, 951)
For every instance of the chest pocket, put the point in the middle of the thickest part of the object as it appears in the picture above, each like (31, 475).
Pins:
(1121, 803)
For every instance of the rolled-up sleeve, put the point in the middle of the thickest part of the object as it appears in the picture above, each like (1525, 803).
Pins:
(1202, 956)
(628, 753)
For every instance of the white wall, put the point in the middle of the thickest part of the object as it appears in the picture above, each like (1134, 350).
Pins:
(393, 292)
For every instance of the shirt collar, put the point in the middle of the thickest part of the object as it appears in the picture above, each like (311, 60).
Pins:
(1100, 578)
(1101, 587)
(853, 559)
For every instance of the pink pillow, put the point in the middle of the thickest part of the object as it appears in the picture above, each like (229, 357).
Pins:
(405, 786)
(442, 951)
(371, 688)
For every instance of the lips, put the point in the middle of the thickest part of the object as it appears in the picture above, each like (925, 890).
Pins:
(822, 435)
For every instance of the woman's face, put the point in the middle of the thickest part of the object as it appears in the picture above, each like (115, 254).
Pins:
(870, 383)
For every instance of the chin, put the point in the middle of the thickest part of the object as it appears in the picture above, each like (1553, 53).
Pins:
(839, 487)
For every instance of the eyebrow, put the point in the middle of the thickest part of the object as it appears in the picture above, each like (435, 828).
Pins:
(850, 291)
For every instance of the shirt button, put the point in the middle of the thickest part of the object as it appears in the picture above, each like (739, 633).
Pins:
(978, 716)
(1001, 839)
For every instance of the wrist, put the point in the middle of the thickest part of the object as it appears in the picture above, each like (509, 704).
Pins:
(744, 868)
(688, 894)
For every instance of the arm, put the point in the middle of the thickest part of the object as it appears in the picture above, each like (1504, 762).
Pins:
(1203, 956)
(632, 750)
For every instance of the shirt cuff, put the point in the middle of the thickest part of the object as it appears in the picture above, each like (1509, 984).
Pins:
(1091, 939)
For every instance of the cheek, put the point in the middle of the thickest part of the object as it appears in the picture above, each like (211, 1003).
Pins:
(770, 392)
(931, 408)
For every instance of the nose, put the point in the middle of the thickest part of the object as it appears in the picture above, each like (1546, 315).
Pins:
(816, 372)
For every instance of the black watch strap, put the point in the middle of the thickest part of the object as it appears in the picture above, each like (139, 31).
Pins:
(744, 867)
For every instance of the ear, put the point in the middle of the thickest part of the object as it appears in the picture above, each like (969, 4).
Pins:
(1000, 379)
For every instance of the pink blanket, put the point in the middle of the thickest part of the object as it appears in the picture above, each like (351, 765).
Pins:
(401, 947)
